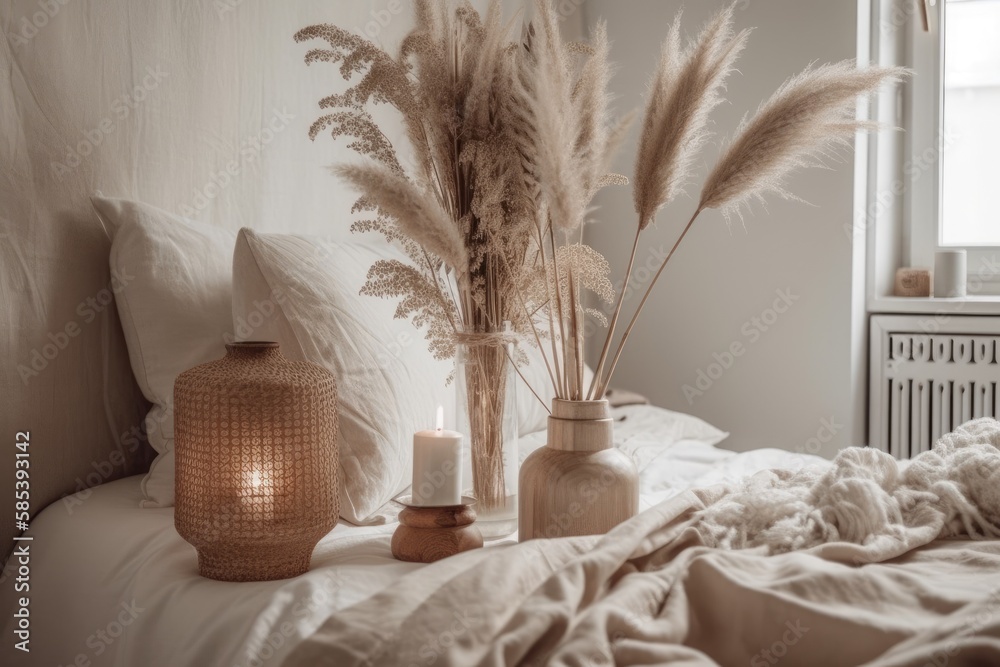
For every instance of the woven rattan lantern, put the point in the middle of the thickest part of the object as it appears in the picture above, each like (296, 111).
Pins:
(255, 446)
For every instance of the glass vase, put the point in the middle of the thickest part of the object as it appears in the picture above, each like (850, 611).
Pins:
(486, 415)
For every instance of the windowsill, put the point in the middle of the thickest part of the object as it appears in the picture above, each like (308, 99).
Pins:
(972, 305)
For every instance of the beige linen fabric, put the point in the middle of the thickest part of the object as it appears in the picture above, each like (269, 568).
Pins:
(861, 561)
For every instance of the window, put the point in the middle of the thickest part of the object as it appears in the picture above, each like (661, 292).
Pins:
(970, 215)
(950, 111)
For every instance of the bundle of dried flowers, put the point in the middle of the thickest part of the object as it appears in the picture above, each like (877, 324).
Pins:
(511, 140)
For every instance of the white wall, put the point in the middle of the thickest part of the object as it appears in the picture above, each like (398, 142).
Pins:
(803, 372)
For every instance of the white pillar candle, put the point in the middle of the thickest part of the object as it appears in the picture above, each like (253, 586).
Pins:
(437, 464)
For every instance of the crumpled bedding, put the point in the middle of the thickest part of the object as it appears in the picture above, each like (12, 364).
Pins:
(859, 561)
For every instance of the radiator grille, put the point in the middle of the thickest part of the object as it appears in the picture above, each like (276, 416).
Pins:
(929, 384)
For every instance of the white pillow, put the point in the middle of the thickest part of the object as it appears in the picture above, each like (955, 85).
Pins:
(666, 426)
(175, 307)
(644, 432)
(304, 293)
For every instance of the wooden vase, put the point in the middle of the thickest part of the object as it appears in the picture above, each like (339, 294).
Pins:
(578, 484)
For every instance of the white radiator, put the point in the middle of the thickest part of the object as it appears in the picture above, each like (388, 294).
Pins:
(928, 375)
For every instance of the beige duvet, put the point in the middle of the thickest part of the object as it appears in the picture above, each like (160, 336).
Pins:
(858, 562)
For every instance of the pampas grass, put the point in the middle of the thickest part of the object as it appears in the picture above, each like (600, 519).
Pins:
(685, 91)
(547, 95)
(512, 135)
(418, 214)
(804, 122)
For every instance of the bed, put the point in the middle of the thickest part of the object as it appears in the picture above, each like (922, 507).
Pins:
(736, 558)
(115, 583)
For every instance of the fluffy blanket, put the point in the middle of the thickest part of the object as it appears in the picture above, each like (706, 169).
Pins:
(859, 561)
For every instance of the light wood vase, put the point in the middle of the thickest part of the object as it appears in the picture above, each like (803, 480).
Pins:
(578, 484)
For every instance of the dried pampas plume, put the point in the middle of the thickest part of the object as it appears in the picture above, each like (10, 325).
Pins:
(684, 92)
(418, 214)
(547, 90)
(805, 121)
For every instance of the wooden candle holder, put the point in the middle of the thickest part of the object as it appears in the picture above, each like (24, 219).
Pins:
(428, 534)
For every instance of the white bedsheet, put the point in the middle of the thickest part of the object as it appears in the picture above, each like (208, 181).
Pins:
(112, 584)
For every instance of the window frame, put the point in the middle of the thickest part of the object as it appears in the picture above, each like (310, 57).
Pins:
(926, 141)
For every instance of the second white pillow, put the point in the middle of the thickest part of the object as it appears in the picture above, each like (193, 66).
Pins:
(304, 293)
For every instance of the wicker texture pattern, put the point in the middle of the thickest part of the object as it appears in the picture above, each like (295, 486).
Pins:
(256, 462)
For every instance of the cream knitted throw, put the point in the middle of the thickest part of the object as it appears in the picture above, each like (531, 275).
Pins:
(869, 498)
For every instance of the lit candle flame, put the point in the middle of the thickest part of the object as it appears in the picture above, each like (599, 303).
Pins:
(440, 418)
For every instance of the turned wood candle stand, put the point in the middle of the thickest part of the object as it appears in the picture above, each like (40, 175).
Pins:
(428, 534)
